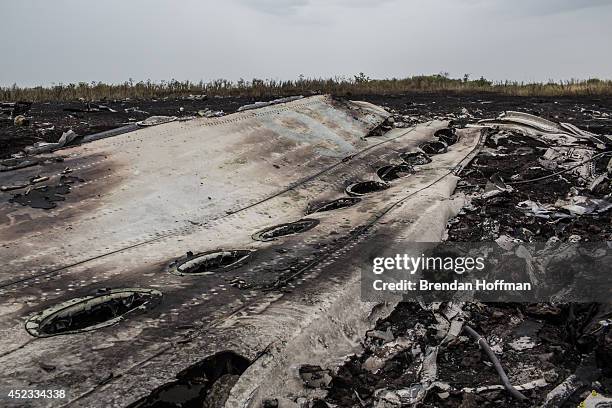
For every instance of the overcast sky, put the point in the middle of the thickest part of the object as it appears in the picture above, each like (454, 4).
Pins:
(53, 41)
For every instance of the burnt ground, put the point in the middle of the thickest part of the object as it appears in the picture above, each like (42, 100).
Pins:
(490, 218)
(562, 346)
(462, 364)
(47, 121)
(592, 113)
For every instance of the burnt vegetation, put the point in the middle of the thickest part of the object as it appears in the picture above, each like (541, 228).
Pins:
(258, 88)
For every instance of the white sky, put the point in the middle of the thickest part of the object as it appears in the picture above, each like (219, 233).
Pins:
(53, 41)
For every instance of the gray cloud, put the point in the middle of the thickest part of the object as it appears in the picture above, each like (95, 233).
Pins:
(537, 7)
(360, 3)
(279, 7)
(113, 40)
(288, 7)
(544, 7)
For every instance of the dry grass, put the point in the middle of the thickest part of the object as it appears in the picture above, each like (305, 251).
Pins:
(359, 84)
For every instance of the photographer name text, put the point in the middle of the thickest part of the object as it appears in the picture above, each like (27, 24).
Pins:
(424, 285)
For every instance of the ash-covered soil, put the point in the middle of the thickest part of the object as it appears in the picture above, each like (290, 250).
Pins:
(557, 354)
(592, 113)
(47, 121)
(561, 347)
(492, 217)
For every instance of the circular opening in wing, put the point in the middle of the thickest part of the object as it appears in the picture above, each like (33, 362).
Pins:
(206, 263)
(415, 158)
(270, 234)
(92, 312)
(393, 172)
(335, 205)
(448, 136)
(206, 383)
(436, 147)
(366, 187)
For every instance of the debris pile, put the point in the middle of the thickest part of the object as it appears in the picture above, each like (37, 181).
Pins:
(415, 114)
(66, 139)
(533, 181)
(208, 113)
(427, 356)
(13, 110)
(535, 185)
(90, 107)
(43, 196)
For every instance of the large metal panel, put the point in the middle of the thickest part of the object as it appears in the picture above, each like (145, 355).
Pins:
(144, 203)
